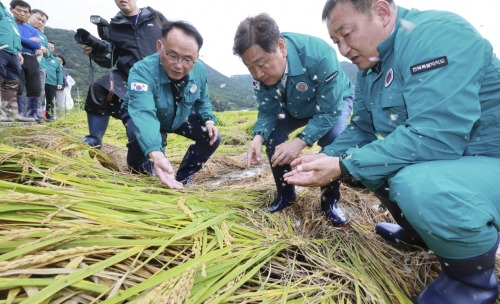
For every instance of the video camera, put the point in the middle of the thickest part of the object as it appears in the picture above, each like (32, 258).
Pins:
(102, 49)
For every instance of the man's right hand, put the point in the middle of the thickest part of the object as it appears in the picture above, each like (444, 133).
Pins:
(164, 170)
(255, 150)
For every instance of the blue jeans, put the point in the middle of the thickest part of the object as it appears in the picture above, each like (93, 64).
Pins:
(9, 66)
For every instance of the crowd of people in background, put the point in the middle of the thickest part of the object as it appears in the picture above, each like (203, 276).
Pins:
(33, 78)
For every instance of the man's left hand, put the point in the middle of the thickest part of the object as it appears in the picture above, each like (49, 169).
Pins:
(313, 171)
(286, 152)
(212, 132)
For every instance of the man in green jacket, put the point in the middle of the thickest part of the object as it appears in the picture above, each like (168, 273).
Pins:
(54, 81)
(298, 82)
(425, 136)
(168, 93)
(10, 65)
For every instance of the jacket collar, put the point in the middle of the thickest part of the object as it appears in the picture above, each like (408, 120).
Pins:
(293, 60)
(146, 13)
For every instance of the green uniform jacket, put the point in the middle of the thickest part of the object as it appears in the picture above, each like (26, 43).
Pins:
(53, 71)
(315, 88)
(434, 96)
(150, 102)
(10, 33)
(44, 42)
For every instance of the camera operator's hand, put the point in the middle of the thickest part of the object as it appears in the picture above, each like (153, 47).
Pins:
(87, 49)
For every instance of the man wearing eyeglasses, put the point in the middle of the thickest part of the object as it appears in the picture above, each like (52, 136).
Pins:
(168, 93)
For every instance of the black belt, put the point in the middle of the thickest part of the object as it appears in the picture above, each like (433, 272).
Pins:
(29, 54)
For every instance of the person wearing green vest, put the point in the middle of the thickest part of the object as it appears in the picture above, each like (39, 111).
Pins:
(10, 66)
(53, 82)
(425, 136)
(167, 92)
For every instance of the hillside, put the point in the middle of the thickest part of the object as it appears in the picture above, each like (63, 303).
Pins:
(227, 93)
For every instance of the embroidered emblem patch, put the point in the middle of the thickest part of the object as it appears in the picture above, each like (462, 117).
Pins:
(331, 77)
(389, 77)
(301, 86)
(256, 85)
(193, 88)
(429, 65)
(139, 87)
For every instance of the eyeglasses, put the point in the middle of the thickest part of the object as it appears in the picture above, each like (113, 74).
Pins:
(174, 58)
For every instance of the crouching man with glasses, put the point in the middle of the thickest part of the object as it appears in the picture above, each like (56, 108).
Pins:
(167, 93)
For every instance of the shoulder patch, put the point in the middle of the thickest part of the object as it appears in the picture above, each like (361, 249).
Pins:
(429, 65)
(136, 86)
(389, 77)
(193, 88)
(331, 77)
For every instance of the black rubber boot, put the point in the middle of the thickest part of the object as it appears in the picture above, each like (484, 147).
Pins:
(97, 127)
(330, 197)
(401, 236)
(286, 192)
(32, 105)
(193, 160)
(464, 281)
(190, 164)
(20, 110)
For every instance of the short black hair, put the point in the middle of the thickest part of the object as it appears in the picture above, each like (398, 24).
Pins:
(186, 27)
(62, 58)
(39, 11)
(362, 6)
(261, 30)
(20, 3)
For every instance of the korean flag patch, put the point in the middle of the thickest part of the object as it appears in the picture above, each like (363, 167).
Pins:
(139, 87)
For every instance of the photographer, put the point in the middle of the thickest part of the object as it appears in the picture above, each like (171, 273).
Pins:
(133, 33)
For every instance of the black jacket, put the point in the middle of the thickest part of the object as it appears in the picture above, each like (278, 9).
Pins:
(133, 42)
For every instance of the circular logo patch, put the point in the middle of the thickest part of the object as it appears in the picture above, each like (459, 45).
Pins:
(389, 77)
(301, 86)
